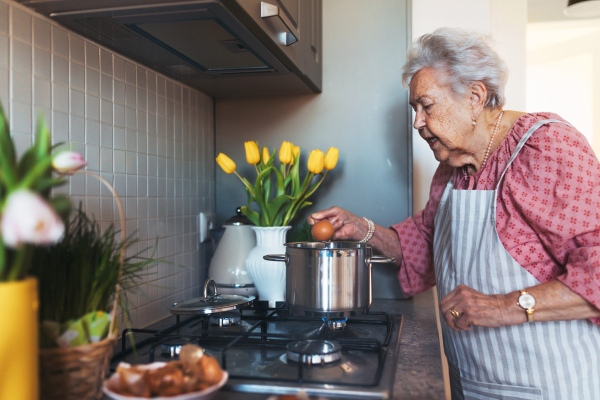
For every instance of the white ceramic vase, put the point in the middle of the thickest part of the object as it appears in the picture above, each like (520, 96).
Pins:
(268, 276)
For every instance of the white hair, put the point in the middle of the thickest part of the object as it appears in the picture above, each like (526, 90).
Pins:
(463, 58)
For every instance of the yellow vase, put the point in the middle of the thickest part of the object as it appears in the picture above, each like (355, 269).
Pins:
(19, 340)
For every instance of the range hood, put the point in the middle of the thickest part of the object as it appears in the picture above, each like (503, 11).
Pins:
(199, 42)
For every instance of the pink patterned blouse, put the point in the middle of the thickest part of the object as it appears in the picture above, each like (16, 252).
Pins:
(547, 214)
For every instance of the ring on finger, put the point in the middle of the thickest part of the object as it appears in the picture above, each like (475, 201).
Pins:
(454, 313)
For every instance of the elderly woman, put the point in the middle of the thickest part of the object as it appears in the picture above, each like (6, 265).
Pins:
(510, 235)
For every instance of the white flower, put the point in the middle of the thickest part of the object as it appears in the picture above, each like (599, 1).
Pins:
(28, 218)
(68, 162)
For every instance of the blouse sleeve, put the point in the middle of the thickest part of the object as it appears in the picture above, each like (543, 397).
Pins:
(416, 273)
(555, 186)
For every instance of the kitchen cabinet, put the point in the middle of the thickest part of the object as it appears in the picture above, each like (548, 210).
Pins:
(221, 47)
(304, 17)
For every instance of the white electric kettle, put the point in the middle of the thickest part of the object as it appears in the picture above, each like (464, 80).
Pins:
(227, 266)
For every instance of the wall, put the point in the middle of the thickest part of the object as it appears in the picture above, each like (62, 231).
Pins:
(563, 59)
(150, 136)
(363, 111)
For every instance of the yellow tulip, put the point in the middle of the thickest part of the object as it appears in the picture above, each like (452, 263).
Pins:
(266, 155)
(226, 163)
(331, 158)
(296, 151)
(316, 161)
(285, 153)
(252, 153)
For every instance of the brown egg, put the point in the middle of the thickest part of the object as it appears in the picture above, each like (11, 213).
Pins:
(323, 231)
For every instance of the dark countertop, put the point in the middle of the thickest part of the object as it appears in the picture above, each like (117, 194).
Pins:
(419, 373)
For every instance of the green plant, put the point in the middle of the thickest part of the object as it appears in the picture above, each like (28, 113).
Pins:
(80, 273)
(291, 194)
(28, 215)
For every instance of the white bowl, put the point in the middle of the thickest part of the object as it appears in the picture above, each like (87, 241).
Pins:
(205, 394)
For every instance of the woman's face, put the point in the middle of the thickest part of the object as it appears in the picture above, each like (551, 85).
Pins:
(442, 120)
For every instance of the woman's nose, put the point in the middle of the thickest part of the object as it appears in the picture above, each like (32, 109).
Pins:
(419, 121)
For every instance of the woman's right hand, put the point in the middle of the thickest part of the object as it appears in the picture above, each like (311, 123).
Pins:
(347, 225)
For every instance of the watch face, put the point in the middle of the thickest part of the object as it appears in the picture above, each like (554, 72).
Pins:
(526, 301)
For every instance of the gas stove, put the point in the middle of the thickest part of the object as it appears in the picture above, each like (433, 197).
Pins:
(269, 350)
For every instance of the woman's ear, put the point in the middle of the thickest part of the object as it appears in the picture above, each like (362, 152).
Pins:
(478, 96)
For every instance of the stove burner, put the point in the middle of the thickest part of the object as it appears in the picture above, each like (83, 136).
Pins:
(173, 347)
(226, 319)
(314, 351)
(335, 324)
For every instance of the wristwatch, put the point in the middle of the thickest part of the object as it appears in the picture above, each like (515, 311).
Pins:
(527, 302)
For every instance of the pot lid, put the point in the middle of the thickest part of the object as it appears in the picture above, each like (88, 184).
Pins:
(238, 219)
(216, 303)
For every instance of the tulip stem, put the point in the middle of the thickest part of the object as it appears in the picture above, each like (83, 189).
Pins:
(256, 168)
(15, 271)
(244, 182)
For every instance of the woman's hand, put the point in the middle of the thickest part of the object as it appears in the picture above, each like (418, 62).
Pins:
(553, 302)
(347, 225)
(476, 308)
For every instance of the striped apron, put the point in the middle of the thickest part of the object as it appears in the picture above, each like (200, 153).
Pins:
(541, 360)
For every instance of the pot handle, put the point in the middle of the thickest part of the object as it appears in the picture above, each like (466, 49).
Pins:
(379, 260)
(276, 257)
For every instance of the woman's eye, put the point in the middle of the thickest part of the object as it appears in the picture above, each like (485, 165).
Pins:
(427, 107)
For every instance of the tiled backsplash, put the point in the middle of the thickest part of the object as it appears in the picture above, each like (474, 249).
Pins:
(150, 136)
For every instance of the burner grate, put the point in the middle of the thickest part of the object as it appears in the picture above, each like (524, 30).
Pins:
(262, 339)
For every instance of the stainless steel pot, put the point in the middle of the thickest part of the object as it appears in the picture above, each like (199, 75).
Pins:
(328, 280)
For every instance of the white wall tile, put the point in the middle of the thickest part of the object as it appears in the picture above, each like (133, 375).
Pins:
(106, 87)
(106, 111)
(119, 92)
(4, 86)
(21, 86)
(130, 96)
(92, 56)
(4, 13)
(4, 51)
(92, 81)
(21, 25)
(41, 34)
(131, 140)
(126, 120)
(106, 135)
(42, 63)
(92, 132)
(119, 115)
(106, 160)
(77, 49)
(92, 107)
(42, 95)
(77, 75)
(60, 97)
(119, 162)
(21, 53)
(77, 131)
(77, 102)
(119, 68)
(92, 157)
(130, 72)
(60, 69)
(106, 62)
(60, 41)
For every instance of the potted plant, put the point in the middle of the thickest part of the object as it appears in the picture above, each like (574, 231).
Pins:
(80, 279)
(29, 217)
(278, 202)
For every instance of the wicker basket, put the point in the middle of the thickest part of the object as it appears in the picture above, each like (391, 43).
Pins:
(75, 373)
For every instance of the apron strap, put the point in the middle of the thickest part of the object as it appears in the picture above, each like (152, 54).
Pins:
(521, 143)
